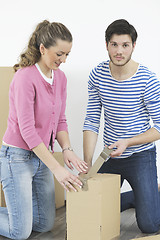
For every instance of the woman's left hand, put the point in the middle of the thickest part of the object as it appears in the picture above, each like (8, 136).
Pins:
(71, 160)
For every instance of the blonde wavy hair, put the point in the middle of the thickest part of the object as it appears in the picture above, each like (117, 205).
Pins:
(46, 33)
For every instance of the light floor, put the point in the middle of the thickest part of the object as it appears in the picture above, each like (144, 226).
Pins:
(129, 229)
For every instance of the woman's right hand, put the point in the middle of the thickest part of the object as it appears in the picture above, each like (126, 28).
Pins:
(66, 179)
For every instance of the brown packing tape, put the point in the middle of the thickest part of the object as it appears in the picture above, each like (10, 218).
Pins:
(104, 156)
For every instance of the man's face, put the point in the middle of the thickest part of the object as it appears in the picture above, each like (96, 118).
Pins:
(120, 49)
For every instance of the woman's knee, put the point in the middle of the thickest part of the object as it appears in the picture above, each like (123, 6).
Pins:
(44, 225)
(20, 234)
(47, 227)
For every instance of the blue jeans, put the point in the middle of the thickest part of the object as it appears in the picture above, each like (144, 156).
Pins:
(28, 187)
(141, 173)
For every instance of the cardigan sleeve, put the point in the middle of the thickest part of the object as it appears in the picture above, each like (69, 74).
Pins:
(62, 122)
(24, 92)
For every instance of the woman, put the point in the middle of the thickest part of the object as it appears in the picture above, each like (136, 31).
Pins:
(36, 118)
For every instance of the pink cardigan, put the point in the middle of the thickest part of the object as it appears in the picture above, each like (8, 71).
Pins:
(37, 109)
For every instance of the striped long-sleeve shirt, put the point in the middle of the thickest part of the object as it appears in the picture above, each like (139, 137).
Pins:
(128, 105)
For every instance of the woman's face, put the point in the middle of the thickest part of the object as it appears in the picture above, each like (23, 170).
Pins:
(52, 57)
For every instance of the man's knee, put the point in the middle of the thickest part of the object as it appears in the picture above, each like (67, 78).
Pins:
(147, 227)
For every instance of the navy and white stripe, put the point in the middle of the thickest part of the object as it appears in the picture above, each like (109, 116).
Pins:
(128, 105)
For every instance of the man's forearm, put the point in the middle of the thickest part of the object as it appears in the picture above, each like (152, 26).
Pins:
(149, 136)
(89, 144)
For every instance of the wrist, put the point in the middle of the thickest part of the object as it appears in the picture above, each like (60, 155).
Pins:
(55, 167)
(67, 149)
(129, 142)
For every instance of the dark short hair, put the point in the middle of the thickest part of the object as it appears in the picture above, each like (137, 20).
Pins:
(120, 27)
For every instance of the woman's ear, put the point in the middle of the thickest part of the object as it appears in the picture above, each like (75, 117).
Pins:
(41, 49)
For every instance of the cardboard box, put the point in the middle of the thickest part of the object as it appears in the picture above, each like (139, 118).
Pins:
(6, 75)
(59, 190)
(95, 214)
(155, 237)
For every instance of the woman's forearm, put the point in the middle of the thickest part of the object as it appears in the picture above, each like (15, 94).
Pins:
(46, 156)
(63, 139)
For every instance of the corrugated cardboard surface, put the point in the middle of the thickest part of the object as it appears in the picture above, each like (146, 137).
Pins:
(6, 75)
(155, 237)
(95, 214)
(59, 190)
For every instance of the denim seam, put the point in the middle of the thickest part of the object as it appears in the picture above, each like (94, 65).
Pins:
(38, 214)
(151, 173)
(39, 167)
(9, 163)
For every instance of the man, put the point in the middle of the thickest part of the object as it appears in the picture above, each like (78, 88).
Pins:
(130, 95)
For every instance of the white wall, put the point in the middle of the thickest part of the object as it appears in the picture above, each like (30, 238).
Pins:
(87, 20)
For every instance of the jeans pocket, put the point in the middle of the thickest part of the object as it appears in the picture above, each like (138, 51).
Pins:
(19, 158)
(18, 165)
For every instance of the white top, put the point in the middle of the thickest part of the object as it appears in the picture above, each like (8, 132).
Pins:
(49, 80)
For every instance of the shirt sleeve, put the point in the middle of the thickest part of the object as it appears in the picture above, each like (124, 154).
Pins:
(93, 113)
(24, 103)
(152, 100)
(62, 122)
